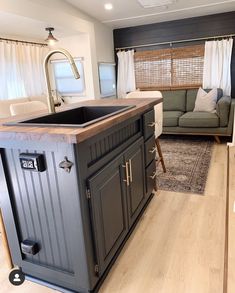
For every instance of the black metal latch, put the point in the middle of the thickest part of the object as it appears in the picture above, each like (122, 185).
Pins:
(66, 165)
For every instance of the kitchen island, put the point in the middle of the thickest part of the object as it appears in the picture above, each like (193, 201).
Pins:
(71, 196)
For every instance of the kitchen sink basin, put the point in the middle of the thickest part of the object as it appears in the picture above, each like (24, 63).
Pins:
(77, 117)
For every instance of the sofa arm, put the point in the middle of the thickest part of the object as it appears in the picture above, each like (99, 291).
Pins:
(222, 109)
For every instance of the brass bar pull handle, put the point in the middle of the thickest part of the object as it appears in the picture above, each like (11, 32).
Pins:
(127, 174)
(131, 177)
(152, 124)
(153, 176)
(153, 150)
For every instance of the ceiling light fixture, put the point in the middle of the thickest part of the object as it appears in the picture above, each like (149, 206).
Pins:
(51, 40)
(155, 3)
(108, 6)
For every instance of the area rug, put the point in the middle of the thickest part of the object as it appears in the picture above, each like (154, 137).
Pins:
(187, 161)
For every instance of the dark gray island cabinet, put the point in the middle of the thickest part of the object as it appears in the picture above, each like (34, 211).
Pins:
(69, 207)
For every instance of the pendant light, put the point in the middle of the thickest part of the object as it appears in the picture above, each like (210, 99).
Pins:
(51, 40)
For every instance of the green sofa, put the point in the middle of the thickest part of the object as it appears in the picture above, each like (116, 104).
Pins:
(179, 118)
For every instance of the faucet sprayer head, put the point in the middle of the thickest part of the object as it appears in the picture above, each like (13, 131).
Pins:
(75, 70)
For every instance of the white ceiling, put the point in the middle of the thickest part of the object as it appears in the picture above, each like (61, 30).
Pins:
(12, 25)
(130, 13)
(125, 13)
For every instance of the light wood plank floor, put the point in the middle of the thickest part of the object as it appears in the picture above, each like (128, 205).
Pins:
(177, 247)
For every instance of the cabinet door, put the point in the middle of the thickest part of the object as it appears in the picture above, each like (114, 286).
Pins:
(108, 210)
(134, 157)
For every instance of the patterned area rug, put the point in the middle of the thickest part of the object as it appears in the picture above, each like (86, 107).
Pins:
(187, 161)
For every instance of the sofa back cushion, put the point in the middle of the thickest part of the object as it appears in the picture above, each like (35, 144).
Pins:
(174, 100)
(191, 98)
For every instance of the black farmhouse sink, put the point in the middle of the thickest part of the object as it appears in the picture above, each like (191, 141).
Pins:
(77, 117)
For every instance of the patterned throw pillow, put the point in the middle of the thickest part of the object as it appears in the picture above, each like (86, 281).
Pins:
(206, 102)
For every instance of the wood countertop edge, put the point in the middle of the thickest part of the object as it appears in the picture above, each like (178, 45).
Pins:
(76, 135)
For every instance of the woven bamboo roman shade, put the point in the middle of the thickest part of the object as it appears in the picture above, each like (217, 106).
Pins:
(169, 68)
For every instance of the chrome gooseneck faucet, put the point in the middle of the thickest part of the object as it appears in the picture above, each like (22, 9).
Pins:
(50, 99)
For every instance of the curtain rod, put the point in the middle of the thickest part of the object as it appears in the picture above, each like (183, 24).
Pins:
(174, 42)
(25, 42)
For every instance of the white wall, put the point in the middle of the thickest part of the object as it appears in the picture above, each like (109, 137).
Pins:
(104, 43)
(79, 46)
(93, 50)
(95, 43)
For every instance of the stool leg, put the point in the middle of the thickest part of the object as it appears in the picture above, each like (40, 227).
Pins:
(160, 154)
(5, 243)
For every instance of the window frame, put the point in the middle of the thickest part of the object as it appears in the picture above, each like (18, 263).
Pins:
(82, 74)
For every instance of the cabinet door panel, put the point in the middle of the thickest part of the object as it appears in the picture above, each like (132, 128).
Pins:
(108, 208)
(135, 157)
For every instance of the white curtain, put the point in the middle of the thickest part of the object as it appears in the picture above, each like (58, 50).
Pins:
(126, 73)
(217, 65)
(21, 70)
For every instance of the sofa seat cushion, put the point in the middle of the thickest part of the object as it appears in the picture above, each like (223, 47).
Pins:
(199, 119)
(171, 118)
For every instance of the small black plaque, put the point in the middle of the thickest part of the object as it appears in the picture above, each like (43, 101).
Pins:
(32, 162)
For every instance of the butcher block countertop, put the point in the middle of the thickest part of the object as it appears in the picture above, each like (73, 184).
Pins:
(73, 134)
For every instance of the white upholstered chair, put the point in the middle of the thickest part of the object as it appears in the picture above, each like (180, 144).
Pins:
(27, 107)
(158, 110)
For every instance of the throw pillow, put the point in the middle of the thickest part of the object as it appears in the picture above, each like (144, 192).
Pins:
(206, 102)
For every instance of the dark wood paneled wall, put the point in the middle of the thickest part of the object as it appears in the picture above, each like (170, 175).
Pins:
(190, 28)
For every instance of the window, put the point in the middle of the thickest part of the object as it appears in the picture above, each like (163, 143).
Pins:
(66, 84)
(170, 68)
(107, 79)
